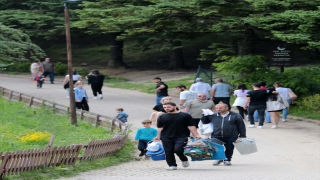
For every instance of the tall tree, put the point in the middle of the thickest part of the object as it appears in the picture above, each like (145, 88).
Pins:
(16, 46)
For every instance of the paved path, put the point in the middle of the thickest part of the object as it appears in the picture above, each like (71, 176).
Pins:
(290, 152)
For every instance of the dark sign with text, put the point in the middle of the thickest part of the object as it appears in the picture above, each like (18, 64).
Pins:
(280, 56)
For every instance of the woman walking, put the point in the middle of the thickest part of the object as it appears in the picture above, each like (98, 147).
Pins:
(284, 92)
(241, 94)
(81, 96)
(275, 104)
(75, 76)
(95, 79)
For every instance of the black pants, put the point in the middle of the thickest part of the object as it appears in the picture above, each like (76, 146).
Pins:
(225, 100)
(39, 84)
(83, 104)
(96, 88)
(242, 111)
(142, 145)
(196, 121)
(228, 145)
(261, 109)
(173, 145)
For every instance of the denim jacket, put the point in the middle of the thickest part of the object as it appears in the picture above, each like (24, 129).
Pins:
(80, 93)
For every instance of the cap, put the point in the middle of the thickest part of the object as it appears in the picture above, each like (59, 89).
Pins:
(199, 79)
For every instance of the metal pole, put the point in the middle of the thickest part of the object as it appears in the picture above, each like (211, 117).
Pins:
(70, 68)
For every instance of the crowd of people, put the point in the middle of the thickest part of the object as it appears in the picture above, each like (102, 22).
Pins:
(176, 123)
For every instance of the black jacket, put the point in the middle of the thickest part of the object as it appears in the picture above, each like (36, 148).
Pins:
(230, 126)
(92, 79)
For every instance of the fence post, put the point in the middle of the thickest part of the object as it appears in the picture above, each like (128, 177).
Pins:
(11, 93)
(31, 101)
(97, 120)
(3, 164)
(20, 97)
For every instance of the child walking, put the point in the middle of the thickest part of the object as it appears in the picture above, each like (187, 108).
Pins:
(81, 96)
(144, 135)
(39, 78)
(122, 116)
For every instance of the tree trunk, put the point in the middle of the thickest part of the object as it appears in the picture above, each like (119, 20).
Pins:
(176, 57)
(245, 44)
(116, 52)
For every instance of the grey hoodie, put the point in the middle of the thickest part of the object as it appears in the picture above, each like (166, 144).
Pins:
(230, 126)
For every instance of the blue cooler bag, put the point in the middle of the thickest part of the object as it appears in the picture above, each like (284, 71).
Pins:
(157, 155)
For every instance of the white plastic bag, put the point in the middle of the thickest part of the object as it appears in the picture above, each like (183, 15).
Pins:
(246, 146)
(154, 146)
(205, 129)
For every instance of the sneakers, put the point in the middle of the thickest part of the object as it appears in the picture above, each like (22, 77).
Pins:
(146, 157)
(251, 126)
(274, 126)
(172, 168)
(227, 163)
(185, 164)
(217, 162)
(284, 120)
(260, 127)
(100, 96)
(52, 82)
(95, 97)
(68, 97)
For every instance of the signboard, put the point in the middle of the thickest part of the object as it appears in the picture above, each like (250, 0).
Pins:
(280, 56)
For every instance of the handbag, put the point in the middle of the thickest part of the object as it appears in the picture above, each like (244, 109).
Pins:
(292, 95)
(205, 129)
(66, 85)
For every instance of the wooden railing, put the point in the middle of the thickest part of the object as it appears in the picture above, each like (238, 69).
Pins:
(34, 159)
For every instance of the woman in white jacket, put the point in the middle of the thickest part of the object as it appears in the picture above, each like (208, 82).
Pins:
(275, 104)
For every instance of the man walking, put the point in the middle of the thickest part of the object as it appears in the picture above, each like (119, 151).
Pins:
(228, 126)
(161, 89)
(195, 107)
(201, 87)
(221, 92)
(174, 129)
(49, 69)
(185, 95)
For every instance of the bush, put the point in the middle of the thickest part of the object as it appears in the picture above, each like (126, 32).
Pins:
(83, 72)
(19, 67)
(311, 103)
(61, 69)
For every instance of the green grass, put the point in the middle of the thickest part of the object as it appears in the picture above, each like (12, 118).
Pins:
(17, 120)
(300, 111)
(124, 155)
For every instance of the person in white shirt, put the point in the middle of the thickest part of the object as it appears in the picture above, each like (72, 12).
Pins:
(185, 95)
(284, 92)
(75, 76)
(201, 87)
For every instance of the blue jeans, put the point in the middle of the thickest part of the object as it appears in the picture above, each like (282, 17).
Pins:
(256, 117)
(285, 111)
(228, 145)
(158, 99)
(51, 75)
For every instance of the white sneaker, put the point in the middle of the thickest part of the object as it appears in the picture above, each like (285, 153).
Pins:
(251, 126)
(260, 127)
(68, 97)
(172, 168)
(100, 96)
(95, 97)
(185, 164)
(284, 120)
(274, 127)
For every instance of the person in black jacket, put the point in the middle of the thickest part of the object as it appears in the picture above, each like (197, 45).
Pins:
(96, 80)
(227, 127)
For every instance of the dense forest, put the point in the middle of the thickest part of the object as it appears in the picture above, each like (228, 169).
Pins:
(177, 33)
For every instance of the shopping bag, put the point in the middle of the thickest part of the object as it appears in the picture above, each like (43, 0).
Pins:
(205, 129)
(246, 146)
(154, 146)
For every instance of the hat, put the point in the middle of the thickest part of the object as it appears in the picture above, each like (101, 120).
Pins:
(199, 79)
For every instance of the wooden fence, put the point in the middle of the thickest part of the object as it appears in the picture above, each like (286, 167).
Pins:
(34, 159)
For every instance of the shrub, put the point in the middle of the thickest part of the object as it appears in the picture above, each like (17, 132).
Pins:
(83, 72)
(36, 137)
(311, 103)
(61, 69)
(19, 67)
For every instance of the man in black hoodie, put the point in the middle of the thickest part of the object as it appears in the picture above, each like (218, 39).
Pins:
(227, 127)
